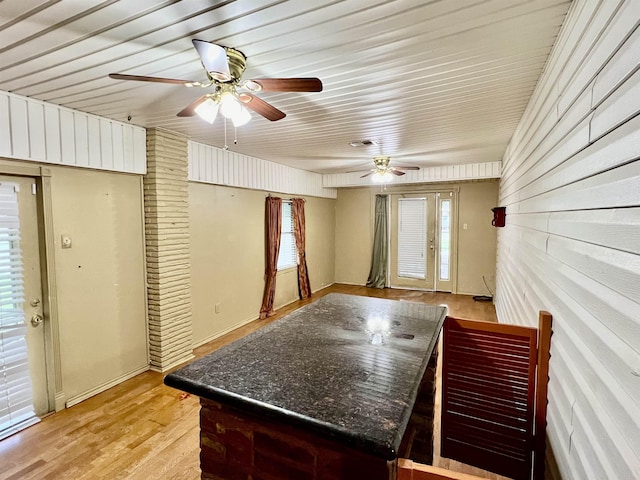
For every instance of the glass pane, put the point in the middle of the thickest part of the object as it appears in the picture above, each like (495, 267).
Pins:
(287, 257)
(445, 239)
(412, 238)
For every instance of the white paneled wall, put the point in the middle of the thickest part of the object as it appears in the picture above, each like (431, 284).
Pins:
(451, 173)
(209, 164)
(43, 132)
(571, 185)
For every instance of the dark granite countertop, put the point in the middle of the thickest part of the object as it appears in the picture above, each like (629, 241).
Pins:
(323, 368)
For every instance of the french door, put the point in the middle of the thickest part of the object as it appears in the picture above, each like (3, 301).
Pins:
(422, 244)
(23, 374)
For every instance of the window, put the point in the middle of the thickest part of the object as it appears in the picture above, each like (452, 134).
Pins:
(288, 256)
(412, 240)
(16, 402)
(445, 238)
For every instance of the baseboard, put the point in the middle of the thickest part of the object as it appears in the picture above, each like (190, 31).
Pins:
(177, 363)
(224, 332)
(105, 386)
(60, 401)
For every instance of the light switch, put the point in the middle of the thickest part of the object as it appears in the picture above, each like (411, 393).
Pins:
(66, 241)
(465, 226)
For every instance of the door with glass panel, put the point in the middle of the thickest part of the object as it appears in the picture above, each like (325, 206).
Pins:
(413, 227)
(23, 374)
(422, 247)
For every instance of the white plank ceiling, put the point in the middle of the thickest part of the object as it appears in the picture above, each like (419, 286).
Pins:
(436, 83)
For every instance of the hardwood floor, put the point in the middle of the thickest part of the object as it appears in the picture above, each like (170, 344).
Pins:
(142, 429)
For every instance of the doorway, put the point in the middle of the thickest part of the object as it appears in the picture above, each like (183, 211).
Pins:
(24, 390)
(423, 243)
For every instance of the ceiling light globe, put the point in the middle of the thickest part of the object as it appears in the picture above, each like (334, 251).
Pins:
(207, 110)
(241, 118)
(229, 105)
(382, 177)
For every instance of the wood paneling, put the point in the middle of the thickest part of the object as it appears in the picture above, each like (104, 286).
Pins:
(453, 173)
(456, 102)
(214, 165)
(570, 185)
(43, 132)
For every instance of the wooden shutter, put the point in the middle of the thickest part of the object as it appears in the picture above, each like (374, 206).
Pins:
(488, 385)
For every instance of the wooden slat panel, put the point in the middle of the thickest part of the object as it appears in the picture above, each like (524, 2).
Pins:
(41, 132)
(489, 363)
(213, 165)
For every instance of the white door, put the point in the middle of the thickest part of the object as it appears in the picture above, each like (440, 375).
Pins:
(22, 337)
(423, 244)
(413, 241)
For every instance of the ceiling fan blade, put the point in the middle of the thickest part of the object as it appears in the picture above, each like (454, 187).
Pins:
(397, 172)
(288, 84)
(190, 110)
(357, 171)
(367, 174)
(214, 59)
(141, 78)
(261, 107)
(407, 168)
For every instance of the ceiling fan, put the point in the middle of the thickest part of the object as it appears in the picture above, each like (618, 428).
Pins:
(224, 67)
(383, 172)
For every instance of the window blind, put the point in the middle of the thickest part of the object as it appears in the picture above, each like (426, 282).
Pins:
(287, 257)
(445, 239)
(412, 238)
(16, 398)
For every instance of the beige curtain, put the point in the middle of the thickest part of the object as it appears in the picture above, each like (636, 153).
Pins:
(378, 272)
(299, 231)
(273, 225)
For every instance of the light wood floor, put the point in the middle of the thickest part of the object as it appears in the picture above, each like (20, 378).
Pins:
(142, 429)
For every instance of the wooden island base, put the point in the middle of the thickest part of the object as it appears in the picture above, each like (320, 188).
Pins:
(237, 445)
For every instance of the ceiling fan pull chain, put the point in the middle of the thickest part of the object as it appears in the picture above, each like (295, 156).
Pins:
(235, 135)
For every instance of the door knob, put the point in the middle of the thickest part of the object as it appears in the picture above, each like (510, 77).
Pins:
(36, 319)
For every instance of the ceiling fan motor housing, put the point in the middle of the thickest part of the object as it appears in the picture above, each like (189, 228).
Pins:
(237, 63)
(382, 162)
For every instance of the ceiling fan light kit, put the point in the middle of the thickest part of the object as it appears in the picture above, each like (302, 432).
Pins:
(208, 110)
(382, 177)
(382, 171)
(224, 67)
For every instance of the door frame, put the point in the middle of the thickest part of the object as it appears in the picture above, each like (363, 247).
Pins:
(417, 190)
(42, 176)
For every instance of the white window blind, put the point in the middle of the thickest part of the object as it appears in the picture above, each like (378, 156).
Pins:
(445, 239)
(16, 399)
(288, 256)
(412, 238)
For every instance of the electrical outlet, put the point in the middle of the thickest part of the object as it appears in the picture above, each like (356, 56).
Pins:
(65, 241)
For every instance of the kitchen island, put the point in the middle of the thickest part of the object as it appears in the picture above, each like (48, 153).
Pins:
(323, 393)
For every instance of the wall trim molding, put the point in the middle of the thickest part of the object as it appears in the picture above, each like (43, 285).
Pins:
(105, 386)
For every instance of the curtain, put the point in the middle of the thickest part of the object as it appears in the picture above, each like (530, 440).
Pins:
(273, 225)
(378, 272)
(304, 288)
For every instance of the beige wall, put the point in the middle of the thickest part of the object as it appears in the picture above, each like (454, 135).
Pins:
(227, 256)
(476, 244)
(100, 280)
